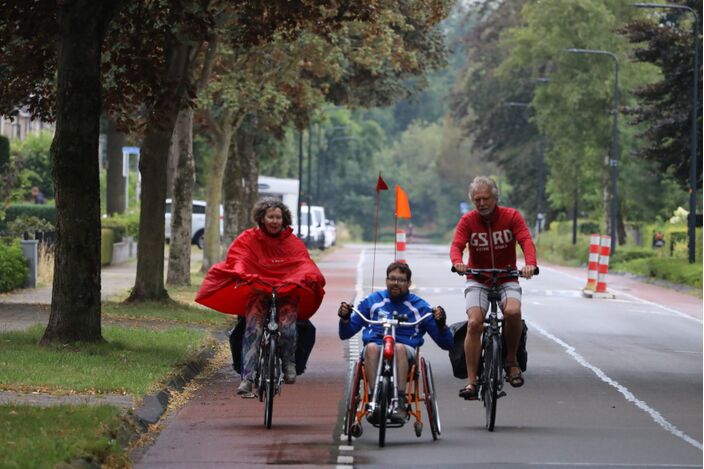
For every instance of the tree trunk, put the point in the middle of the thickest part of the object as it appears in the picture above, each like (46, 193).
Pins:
(115, 194)
(212, 250)
(75, 299)
(242, 188)
(149, 281)
(250, 164)
(179, 272)
(172, 165)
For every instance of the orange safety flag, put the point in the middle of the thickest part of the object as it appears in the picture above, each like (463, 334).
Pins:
(403, 209)
(381, 184)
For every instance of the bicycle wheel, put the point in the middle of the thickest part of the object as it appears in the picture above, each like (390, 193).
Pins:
(384, 399)
(431, 404)
(260, 375)
(492, 364)
(269, 382)
(352, 427)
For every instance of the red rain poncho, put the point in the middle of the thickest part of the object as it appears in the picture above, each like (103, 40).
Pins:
(255, 256)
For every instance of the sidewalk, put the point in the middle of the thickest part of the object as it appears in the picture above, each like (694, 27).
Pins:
(24, 308)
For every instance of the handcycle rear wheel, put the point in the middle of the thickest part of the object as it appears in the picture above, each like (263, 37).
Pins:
(352, 427)
(492, 380)
(431, 404)
(270, 381)
(383, 408)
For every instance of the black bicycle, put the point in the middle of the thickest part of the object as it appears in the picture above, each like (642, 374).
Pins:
(491, 363)
(268, 376)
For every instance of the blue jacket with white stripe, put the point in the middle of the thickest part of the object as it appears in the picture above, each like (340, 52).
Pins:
(414, 307)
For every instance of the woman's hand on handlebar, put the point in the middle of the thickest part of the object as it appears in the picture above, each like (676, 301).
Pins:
(344, 311)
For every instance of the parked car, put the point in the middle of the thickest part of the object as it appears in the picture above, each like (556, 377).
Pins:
(197, 222)
(317, 226)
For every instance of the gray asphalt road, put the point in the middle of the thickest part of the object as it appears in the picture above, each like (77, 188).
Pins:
(610, 383)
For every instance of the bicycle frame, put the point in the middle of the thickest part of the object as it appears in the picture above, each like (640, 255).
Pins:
(387, 352)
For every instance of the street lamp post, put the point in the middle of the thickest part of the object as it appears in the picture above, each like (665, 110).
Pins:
(613, 161)
(691, 222)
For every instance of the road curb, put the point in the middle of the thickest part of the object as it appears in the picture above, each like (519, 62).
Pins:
(137, 421)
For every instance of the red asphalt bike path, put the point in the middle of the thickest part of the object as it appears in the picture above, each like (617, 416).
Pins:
(218, 429)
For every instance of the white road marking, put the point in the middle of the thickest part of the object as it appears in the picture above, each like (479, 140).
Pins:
(628, 395)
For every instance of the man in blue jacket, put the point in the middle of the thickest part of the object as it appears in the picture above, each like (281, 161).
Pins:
(396, 299)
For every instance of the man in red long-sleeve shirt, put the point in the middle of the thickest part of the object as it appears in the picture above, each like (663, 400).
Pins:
(490, 232)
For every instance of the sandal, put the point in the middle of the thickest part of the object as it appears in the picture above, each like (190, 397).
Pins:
(514, 379)
(469, 392)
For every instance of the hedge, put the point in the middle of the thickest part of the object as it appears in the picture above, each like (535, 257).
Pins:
(43, 212)
(107, 238)
(13, 267)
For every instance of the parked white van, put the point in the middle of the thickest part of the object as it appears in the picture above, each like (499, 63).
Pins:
(317, 226)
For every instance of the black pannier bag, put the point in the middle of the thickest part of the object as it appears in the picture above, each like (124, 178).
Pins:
(304, 344)
(457, 357)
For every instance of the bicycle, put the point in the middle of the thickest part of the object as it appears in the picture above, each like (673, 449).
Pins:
(491, 362)
(384, 397)
(268, 374)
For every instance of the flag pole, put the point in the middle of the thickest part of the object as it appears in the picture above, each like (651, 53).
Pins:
(376, 234)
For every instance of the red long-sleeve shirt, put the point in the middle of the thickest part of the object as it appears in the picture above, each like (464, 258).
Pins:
(492, 242)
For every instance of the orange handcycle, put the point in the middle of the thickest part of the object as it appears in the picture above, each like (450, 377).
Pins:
(380, 398)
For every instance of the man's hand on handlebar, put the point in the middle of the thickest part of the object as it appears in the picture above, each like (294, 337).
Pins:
(344, 311)
(440, 317)
(460, 267)
(527, 271)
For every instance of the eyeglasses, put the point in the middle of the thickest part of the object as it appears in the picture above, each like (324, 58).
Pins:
(396, 280)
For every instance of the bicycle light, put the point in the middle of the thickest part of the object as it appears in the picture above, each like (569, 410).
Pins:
(388, 347)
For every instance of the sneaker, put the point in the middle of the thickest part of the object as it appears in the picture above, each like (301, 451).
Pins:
(373, 417)
(400, 415)
(246, 389)
(290, 373)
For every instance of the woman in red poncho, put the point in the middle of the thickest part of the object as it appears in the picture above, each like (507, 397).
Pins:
(270, 254)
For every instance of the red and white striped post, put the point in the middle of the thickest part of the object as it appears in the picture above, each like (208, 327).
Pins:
(604, 254)
(400, 246)
(593, 265)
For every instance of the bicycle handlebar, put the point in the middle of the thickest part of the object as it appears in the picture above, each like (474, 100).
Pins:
(494, 272)
(391, 321)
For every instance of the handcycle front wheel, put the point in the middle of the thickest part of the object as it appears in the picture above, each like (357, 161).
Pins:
(383, 408)
(270, 381)
(429, 397)
(353, 428)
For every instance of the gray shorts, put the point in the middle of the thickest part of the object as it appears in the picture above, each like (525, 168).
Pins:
(477, 295)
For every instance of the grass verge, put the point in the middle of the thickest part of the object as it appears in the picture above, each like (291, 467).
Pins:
(44, 437)
(131, 360)
(177, 312)
(674, 270)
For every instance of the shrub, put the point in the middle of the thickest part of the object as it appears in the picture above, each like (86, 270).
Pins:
(127, 224)
(667, 268)
(107, 238)
(13, 267)
(555, 247)
(42, 212)
(33, 152)
(629, 254)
